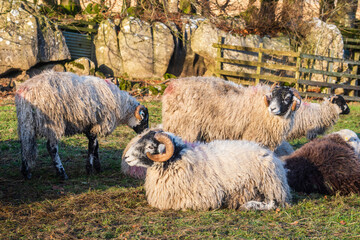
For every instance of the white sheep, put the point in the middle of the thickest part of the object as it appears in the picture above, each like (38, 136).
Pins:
(204, 176)
(208, 108)
(55, 104)
(313, 119)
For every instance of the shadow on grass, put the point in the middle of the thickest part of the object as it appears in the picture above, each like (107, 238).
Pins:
(45, 184)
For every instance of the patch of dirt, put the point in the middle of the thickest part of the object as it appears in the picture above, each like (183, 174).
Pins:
(7, 89)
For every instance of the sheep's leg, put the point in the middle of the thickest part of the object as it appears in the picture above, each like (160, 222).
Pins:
(28, 154)
(93, 154)
(53, 149)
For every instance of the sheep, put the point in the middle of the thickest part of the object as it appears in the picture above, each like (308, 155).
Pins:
(325, 165)
(207, 108)
(55, 104)
(350, 138)
(313, 119)
(205, 176)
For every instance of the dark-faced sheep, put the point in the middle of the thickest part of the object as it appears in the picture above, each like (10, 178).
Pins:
(53, 105)
(313, 119)
(207, 108)
(199, 176)
(327, 165)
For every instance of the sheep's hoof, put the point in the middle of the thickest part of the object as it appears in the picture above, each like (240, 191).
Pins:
(97, 167)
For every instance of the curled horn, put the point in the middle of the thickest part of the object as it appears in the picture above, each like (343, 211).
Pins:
(137, 112)
(266, 98)
(276, 84)
(169, 148)
(297, 101)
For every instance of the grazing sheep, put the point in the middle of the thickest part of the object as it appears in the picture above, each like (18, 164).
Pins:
(327, 165)
(207, 108)
(351, 138)
(204, 176)
(53, 105)
(313, 119)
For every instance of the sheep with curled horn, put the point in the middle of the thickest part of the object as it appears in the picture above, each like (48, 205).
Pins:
(327, 165)
(57, 104)
(204, 176)
(207, 108)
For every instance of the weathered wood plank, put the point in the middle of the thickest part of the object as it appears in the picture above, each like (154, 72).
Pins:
(260, 76)
(323, 58)
(330, 85)
(251, 49)
(257, 64)
(80, 29)
(333, 74)
(322, 95)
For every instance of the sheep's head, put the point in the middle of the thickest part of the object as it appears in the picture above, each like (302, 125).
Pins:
(149, 147)
(340, 101)
(282, 100)
(141, 120)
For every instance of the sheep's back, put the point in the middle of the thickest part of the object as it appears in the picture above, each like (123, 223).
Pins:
(199, 109)
(65, 104)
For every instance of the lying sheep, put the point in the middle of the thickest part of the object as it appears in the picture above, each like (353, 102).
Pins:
(199, 176)
(350, 138)
(53, 105)
(313, 119)
(327, 165)
(207, 108)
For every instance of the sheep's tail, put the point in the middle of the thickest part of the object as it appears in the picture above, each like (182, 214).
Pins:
(26, 131)
(254, 205)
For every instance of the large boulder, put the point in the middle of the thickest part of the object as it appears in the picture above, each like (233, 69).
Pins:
(27, 39)
(185, 62)
(325, 40)
(81, 66)
(52, 44)
(145, 49)
(107, 51)
(207, 34)
(18, 40)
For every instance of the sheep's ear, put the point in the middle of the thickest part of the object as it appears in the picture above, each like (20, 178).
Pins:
(267, 100)
(141, 112)
(333, 98)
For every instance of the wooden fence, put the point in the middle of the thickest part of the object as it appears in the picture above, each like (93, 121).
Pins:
(294, 68)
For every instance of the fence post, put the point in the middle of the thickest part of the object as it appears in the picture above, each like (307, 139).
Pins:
(354, 72)
(219, 54)
(330, 69)
(298, 65)
(258, 69)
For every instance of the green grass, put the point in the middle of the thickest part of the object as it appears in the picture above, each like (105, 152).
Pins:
(109, 205)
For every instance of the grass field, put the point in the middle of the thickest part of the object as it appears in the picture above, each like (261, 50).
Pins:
(110, 205)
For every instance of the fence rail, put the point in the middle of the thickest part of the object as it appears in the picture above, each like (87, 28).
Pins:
(297, 70)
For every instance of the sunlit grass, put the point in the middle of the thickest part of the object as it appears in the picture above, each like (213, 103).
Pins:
(110, 205)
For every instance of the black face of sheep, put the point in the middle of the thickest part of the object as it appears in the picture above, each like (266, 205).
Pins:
(142, 114)
(282, 100)
(340, 101)
(154, 146)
